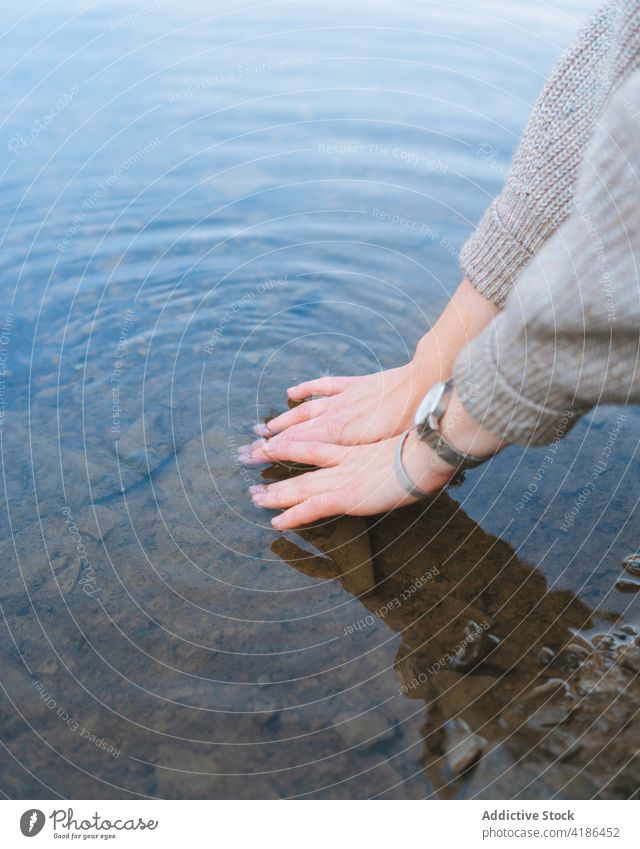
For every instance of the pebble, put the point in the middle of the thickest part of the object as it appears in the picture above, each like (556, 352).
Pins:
(573, 656)
(545, 656)
(626, 585)
(475, 650)
(550, 686)
(549, 715)
(562, 745)
(48, 667)
(463, 747)
(630, 657)
(631, 564)
(66, 571)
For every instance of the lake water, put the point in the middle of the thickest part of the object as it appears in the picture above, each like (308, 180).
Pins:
(198, 209)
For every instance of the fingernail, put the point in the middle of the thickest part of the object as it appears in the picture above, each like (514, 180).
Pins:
(252, 461)
(249, 460)
(257, 489)
(277, 522)
(262, 430)
(245, 449)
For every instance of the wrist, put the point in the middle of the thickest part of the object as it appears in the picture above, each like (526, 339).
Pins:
(425, 368)
(424, 354)
(466, 315)
(464, 433)
(432, 362)
(446, 440)
(426, 470)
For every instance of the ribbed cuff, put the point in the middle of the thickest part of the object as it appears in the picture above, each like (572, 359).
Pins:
(496, 400)
(509, 233)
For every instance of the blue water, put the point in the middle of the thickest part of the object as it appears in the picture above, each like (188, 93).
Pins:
(200, 207)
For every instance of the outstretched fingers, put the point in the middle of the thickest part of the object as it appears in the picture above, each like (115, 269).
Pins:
(323, 428)
(288, 493)
(303, 498)
(314, 508)
(303, 413)
(320, 386)
(309, 453)
(262, 451)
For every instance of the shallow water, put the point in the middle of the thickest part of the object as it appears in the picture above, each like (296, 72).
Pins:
(198, 210)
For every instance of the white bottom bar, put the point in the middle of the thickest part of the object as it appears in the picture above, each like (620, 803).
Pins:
(320, 824)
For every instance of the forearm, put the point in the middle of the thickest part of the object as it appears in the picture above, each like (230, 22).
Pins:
(465, 316)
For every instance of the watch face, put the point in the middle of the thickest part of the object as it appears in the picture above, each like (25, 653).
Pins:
(428, 404)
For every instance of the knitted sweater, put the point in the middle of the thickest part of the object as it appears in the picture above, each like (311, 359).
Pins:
(560, 248)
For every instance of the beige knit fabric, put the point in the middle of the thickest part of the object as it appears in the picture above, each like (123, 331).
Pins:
(537, 196)
(569, 335)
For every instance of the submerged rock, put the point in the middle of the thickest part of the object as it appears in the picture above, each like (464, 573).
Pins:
(631, 564)
(369, 730)
(97, 520)
(629, 656)
(561, 745)
(626, 585)
(147, 443)
(476, 646)
(66, 571)
(545, 706)
(546, 656)
(462, 746)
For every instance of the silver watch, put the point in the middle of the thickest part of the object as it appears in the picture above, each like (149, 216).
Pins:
(427, 421)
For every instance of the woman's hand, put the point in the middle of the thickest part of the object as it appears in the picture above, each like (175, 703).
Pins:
(356, 480)
(372, 407)
(353, 410)
(360, 480)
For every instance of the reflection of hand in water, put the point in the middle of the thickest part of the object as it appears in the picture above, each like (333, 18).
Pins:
(528, 700)
(342, 543)
(340, 549)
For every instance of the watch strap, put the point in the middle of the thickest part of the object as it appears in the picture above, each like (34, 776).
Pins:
(401, 475)
(439, 445)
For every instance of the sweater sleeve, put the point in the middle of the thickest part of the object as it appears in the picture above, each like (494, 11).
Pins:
(538, 191)
(569, 336)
